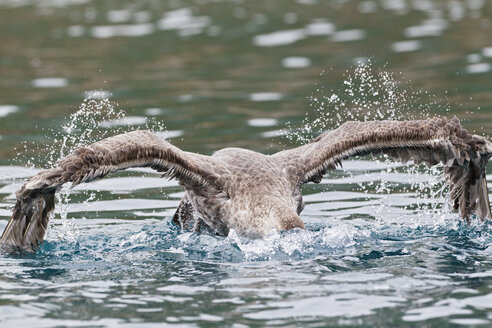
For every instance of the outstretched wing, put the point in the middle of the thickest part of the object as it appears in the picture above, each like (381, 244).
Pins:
(35, 199)
(431, 141)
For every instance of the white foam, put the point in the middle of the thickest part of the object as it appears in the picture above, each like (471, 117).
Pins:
(8, 109)
(265, 96)
(296, 62)
(478, 68)
(129, 120)
(133, 30)
(348, 35)
(49, 82)
(406, 46)
(262, 122)
(279, 38)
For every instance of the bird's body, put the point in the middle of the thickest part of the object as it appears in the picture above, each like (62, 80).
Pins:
(258, 194)
(254, 193)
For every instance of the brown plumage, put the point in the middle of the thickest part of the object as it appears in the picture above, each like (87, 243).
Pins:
(253, 193)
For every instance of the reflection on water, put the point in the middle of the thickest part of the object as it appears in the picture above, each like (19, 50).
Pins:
(381, 248)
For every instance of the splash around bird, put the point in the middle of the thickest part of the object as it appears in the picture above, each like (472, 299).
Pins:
(254, 193)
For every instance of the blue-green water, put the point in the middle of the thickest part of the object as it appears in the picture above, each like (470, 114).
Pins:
(365, 259)
(381, 248)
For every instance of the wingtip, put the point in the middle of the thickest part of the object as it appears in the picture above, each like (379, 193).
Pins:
(28, 223)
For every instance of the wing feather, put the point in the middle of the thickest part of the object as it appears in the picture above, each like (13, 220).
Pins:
(36, 201)
(431, 141)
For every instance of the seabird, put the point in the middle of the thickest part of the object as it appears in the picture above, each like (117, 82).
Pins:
(254, 193)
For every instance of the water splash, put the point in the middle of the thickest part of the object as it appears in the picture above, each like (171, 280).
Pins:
(365, 95)
(140, 241)
(84, 127)
(368, 93)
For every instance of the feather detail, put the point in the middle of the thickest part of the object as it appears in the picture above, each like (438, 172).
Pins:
(431, 141)
(36, 198)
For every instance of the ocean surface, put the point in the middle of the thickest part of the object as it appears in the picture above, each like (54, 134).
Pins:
(382, 248)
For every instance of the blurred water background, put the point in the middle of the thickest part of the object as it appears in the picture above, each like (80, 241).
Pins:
(381, 247)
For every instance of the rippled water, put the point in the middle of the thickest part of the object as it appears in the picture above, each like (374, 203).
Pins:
(381, 248)
(366, 258)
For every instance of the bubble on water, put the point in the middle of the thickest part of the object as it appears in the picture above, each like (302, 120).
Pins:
(339, 237)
